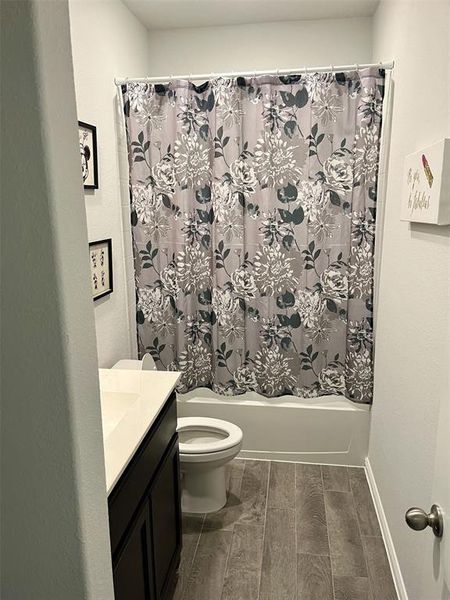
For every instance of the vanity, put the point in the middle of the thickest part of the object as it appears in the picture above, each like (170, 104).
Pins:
(139, 418)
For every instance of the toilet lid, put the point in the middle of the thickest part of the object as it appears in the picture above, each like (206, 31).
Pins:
(201, 435)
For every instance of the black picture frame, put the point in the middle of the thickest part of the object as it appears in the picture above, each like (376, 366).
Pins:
(97, 268)
(92, 147)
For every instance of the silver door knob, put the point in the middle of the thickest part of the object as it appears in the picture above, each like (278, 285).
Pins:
(418, 519)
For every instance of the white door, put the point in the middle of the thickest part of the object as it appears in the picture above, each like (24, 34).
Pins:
(441, 494)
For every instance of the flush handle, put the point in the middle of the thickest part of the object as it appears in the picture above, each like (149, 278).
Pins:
(418, 519)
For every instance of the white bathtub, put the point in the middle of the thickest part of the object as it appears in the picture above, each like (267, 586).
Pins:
(327, 430)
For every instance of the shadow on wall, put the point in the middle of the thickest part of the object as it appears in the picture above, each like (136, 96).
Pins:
(440, 233)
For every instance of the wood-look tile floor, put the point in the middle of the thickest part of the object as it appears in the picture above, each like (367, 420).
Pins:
(288, 532)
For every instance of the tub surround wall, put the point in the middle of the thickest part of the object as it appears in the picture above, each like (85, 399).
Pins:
(108, 41)
(412, 351)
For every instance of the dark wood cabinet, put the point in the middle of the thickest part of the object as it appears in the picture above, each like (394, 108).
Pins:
(132, 569)
(164, 509)
(145, 515)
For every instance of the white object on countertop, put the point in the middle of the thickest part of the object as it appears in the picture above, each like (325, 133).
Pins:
(130, 402)
(206, 446)
(146, 364)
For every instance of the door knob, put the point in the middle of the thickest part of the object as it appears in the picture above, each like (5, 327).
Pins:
(418, 519)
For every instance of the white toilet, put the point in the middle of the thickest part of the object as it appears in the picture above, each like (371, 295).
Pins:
(206, 446)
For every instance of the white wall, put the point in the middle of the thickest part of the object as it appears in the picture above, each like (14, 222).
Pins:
(412, 342)
(260, 46)
(108, 41)
(55, 537)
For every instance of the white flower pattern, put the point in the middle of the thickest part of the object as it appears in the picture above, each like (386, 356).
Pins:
(192, 166)
(278, 162)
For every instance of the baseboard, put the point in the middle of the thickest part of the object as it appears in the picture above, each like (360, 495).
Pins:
(387, 538)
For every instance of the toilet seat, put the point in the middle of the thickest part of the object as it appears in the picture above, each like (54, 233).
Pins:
(230, 435)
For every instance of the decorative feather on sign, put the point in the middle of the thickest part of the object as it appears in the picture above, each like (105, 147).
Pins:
(426, 168)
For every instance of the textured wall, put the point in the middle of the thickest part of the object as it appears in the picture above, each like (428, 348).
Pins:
(55, 538)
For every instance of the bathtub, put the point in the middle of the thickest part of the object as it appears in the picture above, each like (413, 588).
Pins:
(326, 430)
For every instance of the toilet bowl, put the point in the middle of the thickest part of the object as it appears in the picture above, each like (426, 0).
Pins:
(205, 446)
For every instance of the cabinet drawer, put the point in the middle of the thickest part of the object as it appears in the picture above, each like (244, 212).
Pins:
(125, 498)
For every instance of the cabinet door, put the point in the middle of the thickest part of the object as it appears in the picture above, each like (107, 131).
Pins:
(132, 571)
(166, 520)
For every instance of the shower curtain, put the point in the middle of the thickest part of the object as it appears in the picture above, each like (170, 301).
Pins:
(253, 207)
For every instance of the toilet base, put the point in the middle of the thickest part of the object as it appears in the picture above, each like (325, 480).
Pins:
(203, 490)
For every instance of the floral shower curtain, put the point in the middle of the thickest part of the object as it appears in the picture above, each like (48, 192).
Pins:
(253, 217)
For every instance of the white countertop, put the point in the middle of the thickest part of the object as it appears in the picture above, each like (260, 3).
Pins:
(130, 403)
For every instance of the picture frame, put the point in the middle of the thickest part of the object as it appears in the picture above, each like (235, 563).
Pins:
(426, 185)
(87, 136)
(100, 259)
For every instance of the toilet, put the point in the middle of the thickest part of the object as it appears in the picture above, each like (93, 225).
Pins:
(205, 447)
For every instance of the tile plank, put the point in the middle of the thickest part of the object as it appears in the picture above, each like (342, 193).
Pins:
(208, 569)
(365, 510)
(279, 568)
(281, 485)
(244, 563)
(380, 578)
(312, 536)
(191, 528)
(314, 578)
(335, 478)
(351, 588)
(254, 491)
(347, 555)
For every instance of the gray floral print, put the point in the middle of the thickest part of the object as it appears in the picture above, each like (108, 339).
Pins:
(253, 207)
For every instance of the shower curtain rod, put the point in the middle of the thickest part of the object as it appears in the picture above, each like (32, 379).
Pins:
(206, 76)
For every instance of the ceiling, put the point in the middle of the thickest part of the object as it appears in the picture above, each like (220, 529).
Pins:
(171, 14)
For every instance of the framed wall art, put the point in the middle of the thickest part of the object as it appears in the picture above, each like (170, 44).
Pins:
(426, 185)
(100, 257)
(87, 135)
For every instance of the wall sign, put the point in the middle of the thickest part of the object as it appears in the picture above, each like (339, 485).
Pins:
(100, 256)
(426, 186)
(87, 135)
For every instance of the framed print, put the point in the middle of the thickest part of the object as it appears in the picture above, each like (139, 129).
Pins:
(100, 256)
(426, 185)
(87, 135)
